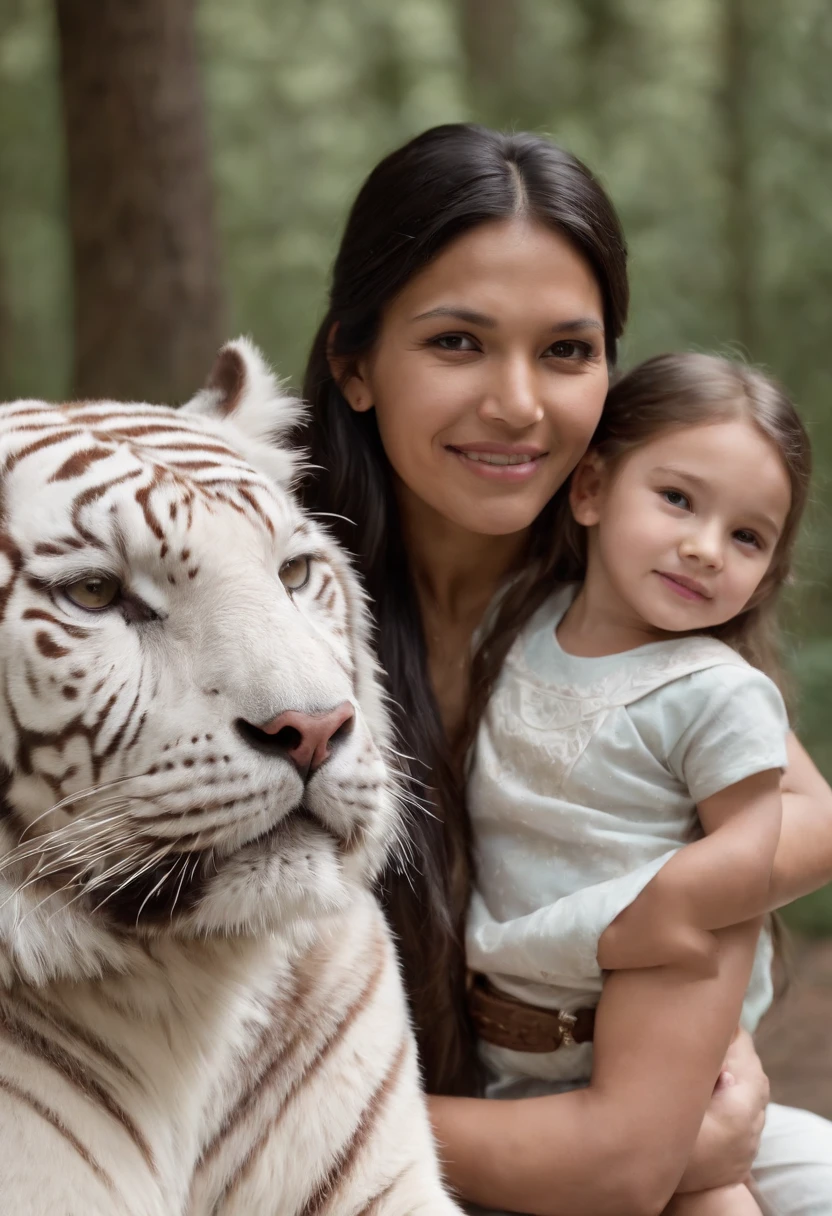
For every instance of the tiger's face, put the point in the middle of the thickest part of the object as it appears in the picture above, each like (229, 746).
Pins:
(191, 730)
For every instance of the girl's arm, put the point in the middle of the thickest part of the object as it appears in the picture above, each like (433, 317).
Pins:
(723, 879)
(621, 1146)
(735, 873)
(803, 861)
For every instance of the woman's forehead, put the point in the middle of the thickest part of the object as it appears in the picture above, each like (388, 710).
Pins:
(500, 264)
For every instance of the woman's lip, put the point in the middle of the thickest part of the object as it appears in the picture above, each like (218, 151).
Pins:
(500, 449)
(511, 473)
(688, 588)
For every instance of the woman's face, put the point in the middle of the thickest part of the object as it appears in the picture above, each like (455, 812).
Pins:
(488, 376)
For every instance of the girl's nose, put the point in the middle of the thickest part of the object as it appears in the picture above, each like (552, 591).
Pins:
(703, 546)
(513, 397)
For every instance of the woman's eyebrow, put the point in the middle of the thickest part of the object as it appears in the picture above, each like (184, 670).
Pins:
(458, 314)
(471, 317)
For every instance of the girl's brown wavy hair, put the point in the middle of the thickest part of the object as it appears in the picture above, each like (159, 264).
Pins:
(676, 391)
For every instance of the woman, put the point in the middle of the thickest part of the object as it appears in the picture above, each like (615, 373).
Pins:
(457, 378)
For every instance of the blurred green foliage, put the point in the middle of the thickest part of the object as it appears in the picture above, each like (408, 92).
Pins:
(709, 120)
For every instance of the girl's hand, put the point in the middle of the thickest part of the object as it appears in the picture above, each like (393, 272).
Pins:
(729, 1138)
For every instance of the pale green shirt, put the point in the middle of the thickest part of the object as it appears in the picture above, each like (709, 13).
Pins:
(584, 781)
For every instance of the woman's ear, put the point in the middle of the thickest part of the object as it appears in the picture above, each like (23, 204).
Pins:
(349, 375)
(586, 490)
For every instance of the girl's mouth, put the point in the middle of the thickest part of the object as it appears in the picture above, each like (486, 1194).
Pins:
(687, 588)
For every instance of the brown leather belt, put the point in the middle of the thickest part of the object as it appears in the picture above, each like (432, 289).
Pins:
(507, 1022)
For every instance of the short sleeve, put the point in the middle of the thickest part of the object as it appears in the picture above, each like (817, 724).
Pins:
(716, 727)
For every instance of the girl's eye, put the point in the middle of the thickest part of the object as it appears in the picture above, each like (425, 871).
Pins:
(747, 538)
(294, 574)
(455, 342)
(571, 350)
(676, 499)
(94, 592)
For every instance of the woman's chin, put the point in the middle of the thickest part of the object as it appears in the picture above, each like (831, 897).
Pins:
(497, 518)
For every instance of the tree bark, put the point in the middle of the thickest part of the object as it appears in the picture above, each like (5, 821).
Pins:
(740, 209)
(6, 335)
(490, 30)
(148, 313)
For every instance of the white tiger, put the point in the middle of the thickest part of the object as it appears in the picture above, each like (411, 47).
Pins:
(200, 1007)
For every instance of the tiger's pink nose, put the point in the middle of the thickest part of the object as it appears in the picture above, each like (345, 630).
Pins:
(307, 739)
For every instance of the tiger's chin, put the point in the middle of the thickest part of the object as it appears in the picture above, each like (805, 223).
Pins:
(287, 881)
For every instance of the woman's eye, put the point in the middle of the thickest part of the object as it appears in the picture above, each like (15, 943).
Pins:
(571, 350)
(455, 342)
(93, 592)
(676, 499)
(747, 538)
(294, 574)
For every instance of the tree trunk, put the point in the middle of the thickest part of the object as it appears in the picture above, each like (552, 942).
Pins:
(148, 313)
(490, 30)
(740, 209)
(6, 335)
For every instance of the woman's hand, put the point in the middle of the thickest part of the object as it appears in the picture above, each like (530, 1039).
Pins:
(730, 1134)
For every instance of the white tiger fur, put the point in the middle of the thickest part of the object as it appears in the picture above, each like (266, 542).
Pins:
(200, 1008)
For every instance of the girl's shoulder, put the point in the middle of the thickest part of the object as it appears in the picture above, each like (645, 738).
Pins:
(536, 658)
(715, 726)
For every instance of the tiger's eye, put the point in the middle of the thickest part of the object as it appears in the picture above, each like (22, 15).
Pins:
(93, 592)
(294, 574)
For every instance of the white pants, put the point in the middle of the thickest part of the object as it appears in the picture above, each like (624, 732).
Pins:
(793, 1170)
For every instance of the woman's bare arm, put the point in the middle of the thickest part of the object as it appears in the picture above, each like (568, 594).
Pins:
(803, 861)
(619, 1147)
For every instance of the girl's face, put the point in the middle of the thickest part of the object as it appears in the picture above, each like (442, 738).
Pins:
(488, 376)
(685, 526)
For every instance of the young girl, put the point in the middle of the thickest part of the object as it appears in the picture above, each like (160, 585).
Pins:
(639, 710)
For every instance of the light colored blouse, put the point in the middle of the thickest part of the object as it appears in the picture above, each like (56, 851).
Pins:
(584, 781)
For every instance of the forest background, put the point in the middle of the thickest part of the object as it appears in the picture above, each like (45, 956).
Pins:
(175, 172)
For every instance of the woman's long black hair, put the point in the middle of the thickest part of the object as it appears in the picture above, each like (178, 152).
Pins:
(442, 184)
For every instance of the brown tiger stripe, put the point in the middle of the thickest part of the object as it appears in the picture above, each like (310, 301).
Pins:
(137, 732)
(254, 1151)
(255, 506)
(39, 614)
(73, 1070)
(54, 1120)
(48, 647)
(341, 1169)
(90, 495)
(107, 416)
(264, 1062)
(75, 1031)
(122, 730)
(193, 443)
(151, 518)
(78, 463)
(46, 441)
(372, 1207)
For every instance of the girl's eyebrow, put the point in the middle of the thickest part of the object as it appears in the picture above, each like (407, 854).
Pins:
(755, 515)
(471, 317)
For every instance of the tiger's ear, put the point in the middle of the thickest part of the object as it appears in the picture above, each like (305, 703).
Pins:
(243, 391)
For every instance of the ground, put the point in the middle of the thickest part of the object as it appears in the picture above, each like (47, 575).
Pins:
(795, 1041)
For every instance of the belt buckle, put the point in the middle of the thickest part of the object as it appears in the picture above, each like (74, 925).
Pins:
(566, 1024)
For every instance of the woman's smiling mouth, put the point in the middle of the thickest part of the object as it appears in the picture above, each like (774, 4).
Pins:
(499, 462)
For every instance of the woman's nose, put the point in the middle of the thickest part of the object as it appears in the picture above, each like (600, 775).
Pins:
(513, 397)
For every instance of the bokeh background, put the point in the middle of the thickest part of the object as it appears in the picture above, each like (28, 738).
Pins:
(173, 172)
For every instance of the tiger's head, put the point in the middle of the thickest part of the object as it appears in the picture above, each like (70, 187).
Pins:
(192, 734)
